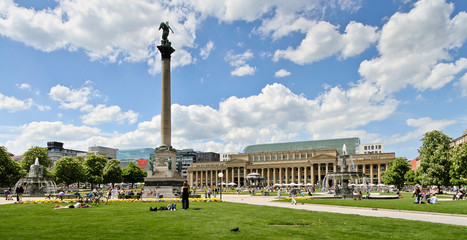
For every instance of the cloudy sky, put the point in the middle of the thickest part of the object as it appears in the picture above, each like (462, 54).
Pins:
(244, 72)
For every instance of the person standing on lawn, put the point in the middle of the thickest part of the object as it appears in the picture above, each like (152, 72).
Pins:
(185, 195)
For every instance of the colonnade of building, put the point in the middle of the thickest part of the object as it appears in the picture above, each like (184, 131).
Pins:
(303, 172)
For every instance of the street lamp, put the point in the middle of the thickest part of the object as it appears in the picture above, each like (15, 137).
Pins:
(221, 175)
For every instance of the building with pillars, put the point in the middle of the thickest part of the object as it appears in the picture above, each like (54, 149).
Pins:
(284, 163)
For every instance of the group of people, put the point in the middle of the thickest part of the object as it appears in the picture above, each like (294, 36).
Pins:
(429, 197)
(19, 193)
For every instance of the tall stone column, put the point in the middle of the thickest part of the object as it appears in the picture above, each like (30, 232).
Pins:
(165, 175)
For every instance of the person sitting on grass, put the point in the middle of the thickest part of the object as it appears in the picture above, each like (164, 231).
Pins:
(79, 204)
(433, 199)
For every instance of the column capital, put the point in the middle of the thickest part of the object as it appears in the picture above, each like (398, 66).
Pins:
(166, 51)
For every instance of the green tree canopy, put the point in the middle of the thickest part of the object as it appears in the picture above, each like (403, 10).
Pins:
(30, 157)
(458, 172)
(133, 173)
(113, 172)
(395, 174)
(410, 178)
(68, 170)
(94, 167)
(10, 171)
(434, 159)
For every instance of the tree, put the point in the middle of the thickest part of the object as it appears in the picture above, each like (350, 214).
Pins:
(112, 172)
(458, 172)
(68, 170)
(10, 171)
(395, 174)
(133, 173)
(434, 159)
(93, 168)
(30, 157)
(410, 178)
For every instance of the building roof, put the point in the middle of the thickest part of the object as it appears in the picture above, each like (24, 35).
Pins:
(351, 145)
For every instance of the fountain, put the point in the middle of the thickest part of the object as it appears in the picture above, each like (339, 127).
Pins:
(344, 180)
(35, 184)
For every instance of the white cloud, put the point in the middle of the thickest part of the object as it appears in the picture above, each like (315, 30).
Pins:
(79, 98)
(98, 28)
(243, 70)
(422, 126)
(463, 85)
(206, 50)
(282, 73)
(13, 104)
(39, 133)
(239, 61)
(323, 40)
(415, 48)
(274, 115)
(25, 86)
(102, 114)
(72, 98)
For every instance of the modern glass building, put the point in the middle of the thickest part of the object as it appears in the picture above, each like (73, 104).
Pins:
(143, 157)
(351, 144)
(186, 157)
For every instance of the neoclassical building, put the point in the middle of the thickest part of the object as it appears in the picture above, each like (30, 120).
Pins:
(284, 163)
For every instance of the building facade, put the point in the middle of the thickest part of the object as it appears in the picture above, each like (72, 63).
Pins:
(143, 157)
(460, 140)
(207, 157)
(302, 166)
(186, 157)
(56, 151)
(371, 148)
(109, 153)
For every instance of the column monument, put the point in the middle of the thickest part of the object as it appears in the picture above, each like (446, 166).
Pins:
(165, 176)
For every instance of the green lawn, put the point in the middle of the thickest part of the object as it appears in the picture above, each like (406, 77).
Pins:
(213, 221)
(406, 203)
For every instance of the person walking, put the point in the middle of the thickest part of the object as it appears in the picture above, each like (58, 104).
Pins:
(293, 193)
(19, 193)
(185, 195)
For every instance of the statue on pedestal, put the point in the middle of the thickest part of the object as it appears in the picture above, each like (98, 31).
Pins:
(165, 33)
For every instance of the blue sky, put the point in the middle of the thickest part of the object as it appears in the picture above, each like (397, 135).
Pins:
(244, 72)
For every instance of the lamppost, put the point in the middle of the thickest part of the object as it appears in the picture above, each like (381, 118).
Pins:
(221, 175)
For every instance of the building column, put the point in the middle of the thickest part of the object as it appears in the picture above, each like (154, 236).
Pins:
(238, 176)
(292, 169)
(274, 180)
(319, 172)
(233, 174)
(312, 169)
(191, 179)
(305, 178)
(379, 173)
(286, 175)
(226, 175)
(269, 180)
(299, 174)
(280, 175)
(371, 173)
(244, 176)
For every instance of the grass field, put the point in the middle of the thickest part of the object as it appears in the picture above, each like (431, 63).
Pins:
(406, 203)
(213, 221)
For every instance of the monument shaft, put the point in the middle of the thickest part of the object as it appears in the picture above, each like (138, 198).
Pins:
(166, 120)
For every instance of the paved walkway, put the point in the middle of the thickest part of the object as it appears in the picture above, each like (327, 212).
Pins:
(455, 219)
